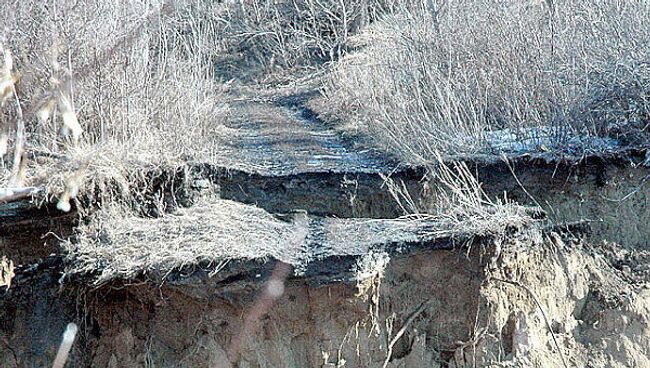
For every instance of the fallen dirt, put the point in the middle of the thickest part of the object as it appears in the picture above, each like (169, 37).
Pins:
(562, 304)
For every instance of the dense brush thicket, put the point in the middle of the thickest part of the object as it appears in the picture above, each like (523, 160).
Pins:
(443, 79)
(267, 40)
(141, 70)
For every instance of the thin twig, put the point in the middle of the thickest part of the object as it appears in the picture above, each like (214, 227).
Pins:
(632, 193)
(402, 330)
(512, 171)
(539, 305)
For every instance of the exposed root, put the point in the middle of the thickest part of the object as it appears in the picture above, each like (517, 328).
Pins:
(402, 330)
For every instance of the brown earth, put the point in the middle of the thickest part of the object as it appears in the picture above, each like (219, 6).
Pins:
(501, 302)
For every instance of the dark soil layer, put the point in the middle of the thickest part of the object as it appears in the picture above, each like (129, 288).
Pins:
(611, 193)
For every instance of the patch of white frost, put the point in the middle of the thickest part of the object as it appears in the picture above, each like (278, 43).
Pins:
(546, 139)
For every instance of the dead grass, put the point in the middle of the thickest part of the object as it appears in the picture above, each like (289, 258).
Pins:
(142, 72)
(136, 77)
(545, 72)
(117, 244)
(141, 78)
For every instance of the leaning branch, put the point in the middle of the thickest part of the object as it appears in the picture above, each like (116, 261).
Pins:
(402, 330)
(19, 143)
(15, 194)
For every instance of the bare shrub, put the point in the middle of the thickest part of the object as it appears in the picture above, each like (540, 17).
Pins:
(271, 41)
(445, 78)
(268, 38)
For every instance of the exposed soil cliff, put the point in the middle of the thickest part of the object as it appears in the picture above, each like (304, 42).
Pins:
(308, 266)
(535, 298)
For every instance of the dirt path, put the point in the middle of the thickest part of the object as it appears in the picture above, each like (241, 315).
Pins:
(283, 137)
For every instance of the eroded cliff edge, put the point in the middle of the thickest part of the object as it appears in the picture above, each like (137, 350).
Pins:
(360, 287)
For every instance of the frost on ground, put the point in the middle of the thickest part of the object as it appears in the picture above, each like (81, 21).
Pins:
(547, 139)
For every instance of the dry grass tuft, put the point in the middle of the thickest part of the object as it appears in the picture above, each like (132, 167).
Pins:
(93, 174)
(464, 207)
(461, 205)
